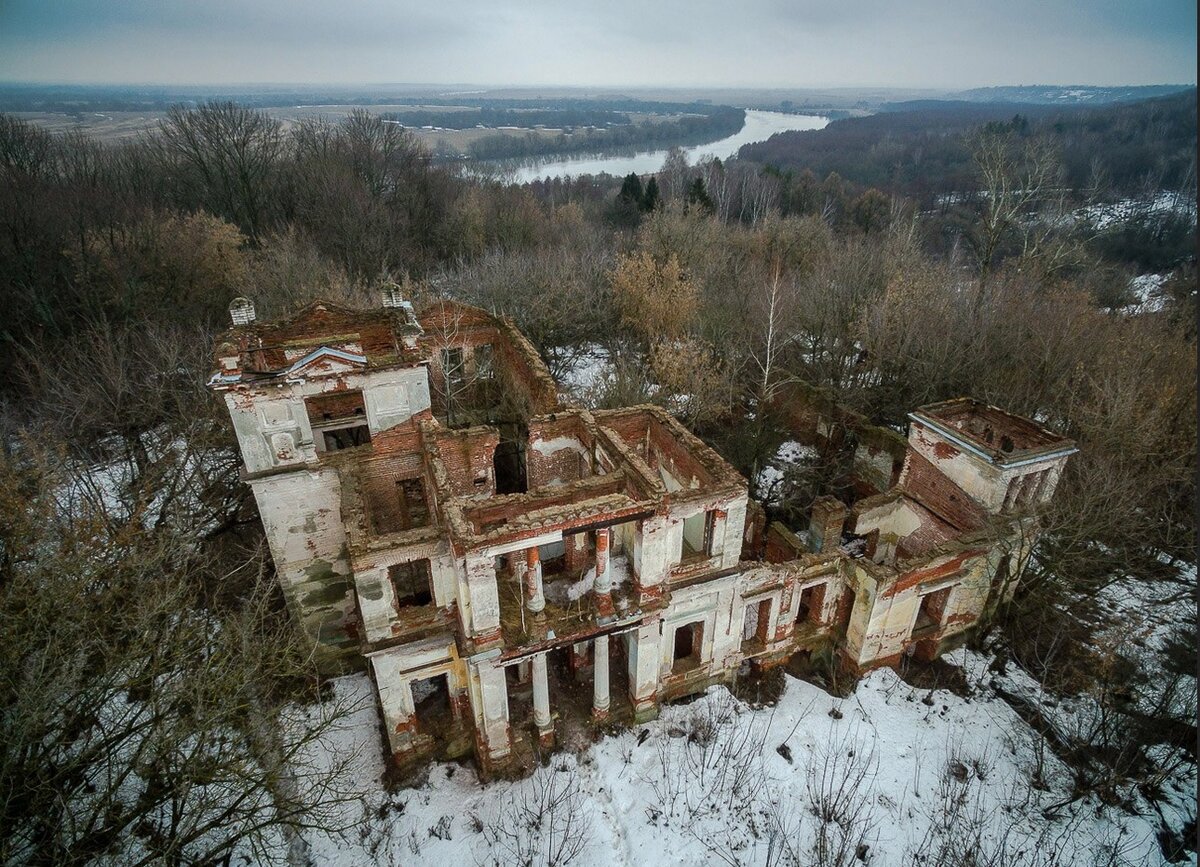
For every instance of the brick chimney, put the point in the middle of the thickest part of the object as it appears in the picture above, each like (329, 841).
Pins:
(825, 523)
(391, 296)
(241, 311)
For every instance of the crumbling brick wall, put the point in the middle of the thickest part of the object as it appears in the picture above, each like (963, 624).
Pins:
(559, 451)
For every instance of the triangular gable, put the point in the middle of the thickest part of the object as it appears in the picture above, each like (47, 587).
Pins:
(329, 360)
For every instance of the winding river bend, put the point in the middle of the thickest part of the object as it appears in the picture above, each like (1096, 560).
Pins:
(759, 126)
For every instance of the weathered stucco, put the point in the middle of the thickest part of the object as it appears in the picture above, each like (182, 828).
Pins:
(393, 547)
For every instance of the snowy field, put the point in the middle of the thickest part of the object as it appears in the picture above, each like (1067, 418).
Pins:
(890, 775)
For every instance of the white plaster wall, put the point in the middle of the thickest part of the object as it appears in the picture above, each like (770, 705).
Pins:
(272, 428)
(704, 603)
(394, 396)
(376, 603)
(865, 590)
(984, 481)
(730, 545)
(302, 517)
(445, 577)
(894, 518)
(395, 698)
(674, 546)
(979, 478)
(488, 693)
(652, 551)
(890, 623)
(267, 418)
(480, 604)
(377, 596)
(970, 595)
(397, 668)
(642, 652)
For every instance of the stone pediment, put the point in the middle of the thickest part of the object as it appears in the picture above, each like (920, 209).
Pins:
(326, 362)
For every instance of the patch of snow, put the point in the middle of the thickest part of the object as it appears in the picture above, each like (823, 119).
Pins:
(560, 592)
(716, 780)
(1107, 215)
(587, 371)
(769, 481)
(1147, 288)
(553, 446)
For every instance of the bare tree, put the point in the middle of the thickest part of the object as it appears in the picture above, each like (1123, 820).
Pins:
(145, 702)
(228, 154)
(1018, 176)
(674, 174)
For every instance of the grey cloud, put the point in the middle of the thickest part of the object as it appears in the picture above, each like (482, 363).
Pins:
(937, 43)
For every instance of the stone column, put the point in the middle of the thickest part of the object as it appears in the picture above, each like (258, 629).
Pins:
(602, 584)
(541, 701)
(643, 655)
(535, 600)
(600, 678)
(488, 694)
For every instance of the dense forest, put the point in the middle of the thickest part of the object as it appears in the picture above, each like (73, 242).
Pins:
(1138, 158)
(813, 258)
(921, 149)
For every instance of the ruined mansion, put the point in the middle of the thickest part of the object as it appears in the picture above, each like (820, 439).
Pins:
(507, 565)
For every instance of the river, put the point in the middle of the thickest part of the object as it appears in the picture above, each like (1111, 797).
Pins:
(759, 126)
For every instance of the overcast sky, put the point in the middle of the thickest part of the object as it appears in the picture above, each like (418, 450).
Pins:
(784, 43)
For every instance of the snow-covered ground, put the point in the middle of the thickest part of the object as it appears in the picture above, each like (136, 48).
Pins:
(1108, 214)
(769, 481)
(586, 374)
(890, 773)
(1147, 289)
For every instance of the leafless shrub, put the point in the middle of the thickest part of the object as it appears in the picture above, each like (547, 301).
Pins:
(539, 822)
(143, 722)
(839, 788)
(965, 830)
(716, 765)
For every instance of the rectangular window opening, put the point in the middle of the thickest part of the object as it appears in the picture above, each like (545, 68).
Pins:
(412, 582)
(338, 420)
(811, 601)
(688, 641)
(483, 361)
(431, 701)
(932, 610)
(756, 624)
(452, 365)
(697, 536)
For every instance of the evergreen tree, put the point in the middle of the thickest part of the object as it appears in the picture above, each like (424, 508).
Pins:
(651, 198)
(631, 189)
(629, 200)
(697, 196)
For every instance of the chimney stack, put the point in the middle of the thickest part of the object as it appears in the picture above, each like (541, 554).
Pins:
(825, 523)
(391, 296)
(241, 311)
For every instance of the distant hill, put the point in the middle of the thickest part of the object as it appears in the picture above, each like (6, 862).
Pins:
(919, 149)
(1075, 94)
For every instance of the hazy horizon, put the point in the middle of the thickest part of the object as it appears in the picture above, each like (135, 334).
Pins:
(928, 45)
